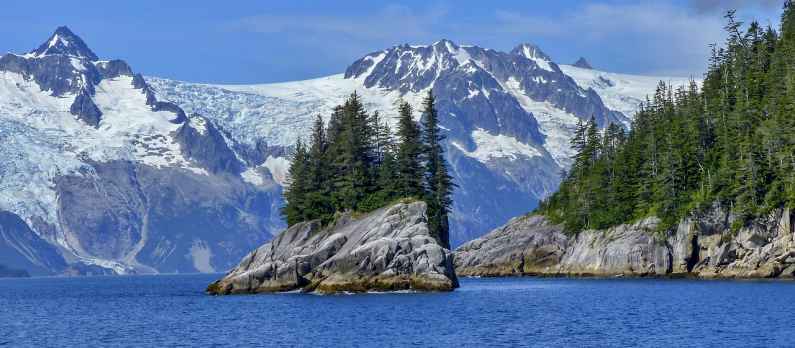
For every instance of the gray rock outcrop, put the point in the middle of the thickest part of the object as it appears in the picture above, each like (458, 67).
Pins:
(704, 246)
(386, 250)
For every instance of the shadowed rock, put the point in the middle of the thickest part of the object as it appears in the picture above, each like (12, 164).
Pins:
(84, 108)
(582, 63)
(386, 250)
(22, 249)
(64, 42)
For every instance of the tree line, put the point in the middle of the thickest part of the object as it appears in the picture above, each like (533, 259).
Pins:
(730, 142)
(356, 163)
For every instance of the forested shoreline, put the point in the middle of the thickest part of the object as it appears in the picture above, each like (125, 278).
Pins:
(731, 142)
(354, 162)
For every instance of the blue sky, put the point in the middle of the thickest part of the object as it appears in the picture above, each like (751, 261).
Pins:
(269, 41)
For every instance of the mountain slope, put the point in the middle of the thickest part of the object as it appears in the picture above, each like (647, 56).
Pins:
(99, 176)
(508, 116)
(103, 171)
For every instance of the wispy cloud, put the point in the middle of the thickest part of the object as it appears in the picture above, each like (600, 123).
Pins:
(392, 22)
(671, 39)
(712, 6)
(649, 37)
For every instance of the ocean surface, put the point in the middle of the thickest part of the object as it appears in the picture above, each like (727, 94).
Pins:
(172, 310)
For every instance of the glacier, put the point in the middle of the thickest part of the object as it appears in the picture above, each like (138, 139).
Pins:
(98, 176)
(508, 116)
(105, 171)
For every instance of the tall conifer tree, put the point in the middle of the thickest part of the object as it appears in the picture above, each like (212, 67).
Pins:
(439, 183)
(294, 210)
(409, 154)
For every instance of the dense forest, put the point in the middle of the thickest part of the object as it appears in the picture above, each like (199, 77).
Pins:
(356, 163)
(731, 142)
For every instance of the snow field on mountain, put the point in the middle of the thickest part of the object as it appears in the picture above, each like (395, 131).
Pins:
(620, 92)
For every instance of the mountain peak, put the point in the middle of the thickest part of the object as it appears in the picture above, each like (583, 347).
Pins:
(64, 41)
(530, 51)
(445, 42)
(582, 63)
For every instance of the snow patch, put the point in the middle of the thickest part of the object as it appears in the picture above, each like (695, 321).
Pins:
(126, 119)
(199, 124)
(530, 53)
(376, 60)
(279, 168)
(489, 146)
(556, 125)
(201, 254)
(620, 92)
(460, 54)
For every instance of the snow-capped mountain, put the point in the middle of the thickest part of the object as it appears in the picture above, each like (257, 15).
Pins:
(508, 116)
(97, 175)
(104, 171)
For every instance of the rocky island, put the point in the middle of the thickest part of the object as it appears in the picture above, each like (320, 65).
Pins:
(386, 250)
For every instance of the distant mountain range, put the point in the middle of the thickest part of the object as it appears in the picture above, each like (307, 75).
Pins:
(105, 171)
(508, 116)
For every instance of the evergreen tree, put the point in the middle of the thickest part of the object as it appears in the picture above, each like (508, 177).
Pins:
(317, 202)
(439, 183)
(730, 143)
(294, 210)
(352, 155)
(355, 163)
(409, 154)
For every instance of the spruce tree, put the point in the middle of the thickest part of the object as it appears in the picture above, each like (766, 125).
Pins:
(317, 201)
(351, 154)
(409, 154)
(295, 194)
(729, 143)
(356, 164)
(438, 182)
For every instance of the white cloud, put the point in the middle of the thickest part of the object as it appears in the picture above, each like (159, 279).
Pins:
(392, 21)
(671, 39)
(711, 6)
(651, 37)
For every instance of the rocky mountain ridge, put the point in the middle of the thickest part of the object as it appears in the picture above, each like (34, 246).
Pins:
(508, 116)
(99, 176)
(107, 172)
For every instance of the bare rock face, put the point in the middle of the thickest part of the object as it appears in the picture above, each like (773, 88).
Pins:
(525, 245)
(386, 250)
(709, 247)
(531, 245)
(622, 250)
(704, 246)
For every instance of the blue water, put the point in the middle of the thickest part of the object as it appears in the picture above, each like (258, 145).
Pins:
(174, 311)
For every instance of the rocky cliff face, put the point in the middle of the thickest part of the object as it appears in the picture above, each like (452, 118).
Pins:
(703, 246)
(389, 249)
